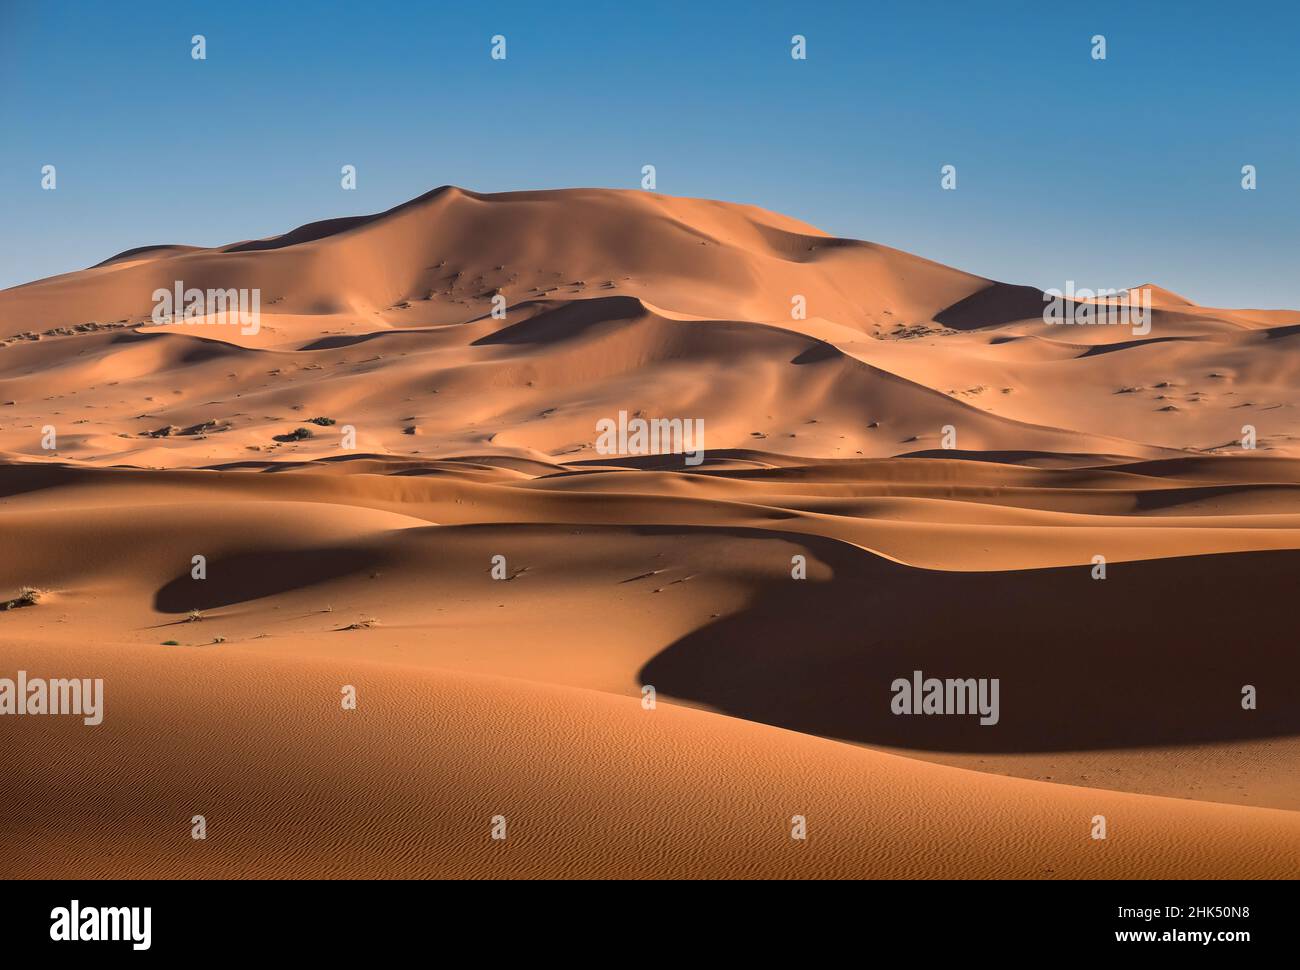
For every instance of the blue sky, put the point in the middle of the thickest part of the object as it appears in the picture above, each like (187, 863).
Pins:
(1108, 173)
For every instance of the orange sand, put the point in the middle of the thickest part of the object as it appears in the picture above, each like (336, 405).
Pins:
(475, 438)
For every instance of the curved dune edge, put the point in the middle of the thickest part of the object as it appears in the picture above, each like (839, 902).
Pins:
(828, 437)
(591, 786)
(626, 575)
(678, 307)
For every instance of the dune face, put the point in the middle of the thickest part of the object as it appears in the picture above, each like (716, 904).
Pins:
(498, 464)
(612, 301)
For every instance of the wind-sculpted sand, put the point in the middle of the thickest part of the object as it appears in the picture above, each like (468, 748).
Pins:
(940, 464)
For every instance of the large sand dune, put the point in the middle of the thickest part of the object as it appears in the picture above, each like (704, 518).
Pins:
(476, 437)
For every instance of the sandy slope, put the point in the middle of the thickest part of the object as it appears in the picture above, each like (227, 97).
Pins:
(589, 785)
(475, 439)
(668, 306)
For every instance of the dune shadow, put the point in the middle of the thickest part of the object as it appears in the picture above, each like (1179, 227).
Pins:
(995, 304)
(252, 576)
(313, 231)
(20, 478)
(1156, 653)
(338, 341)
(565, 321)
(1021, 456)
(1098, 350)
(818, 352)
(310, 232)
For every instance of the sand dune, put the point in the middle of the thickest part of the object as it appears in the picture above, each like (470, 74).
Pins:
(475, 437)
(589, 785)
(662, 303)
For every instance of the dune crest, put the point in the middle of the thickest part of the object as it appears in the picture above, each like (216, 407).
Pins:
(398, 478)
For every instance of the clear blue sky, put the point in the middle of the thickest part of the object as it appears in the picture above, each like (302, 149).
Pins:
(1108, 173)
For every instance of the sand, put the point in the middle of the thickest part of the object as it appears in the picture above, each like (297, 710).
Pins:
(475, 438)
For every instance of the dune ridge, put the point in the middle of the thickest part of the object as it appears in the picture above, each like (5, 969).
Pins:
(828, 441)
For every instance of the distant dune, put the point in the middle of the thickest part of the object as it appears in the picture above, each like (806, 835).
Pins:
(944, 464)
